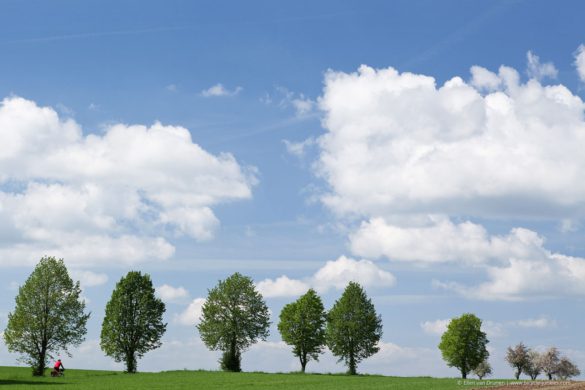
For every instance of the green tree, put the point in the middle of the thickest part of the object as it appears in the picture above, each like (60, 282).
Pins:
(234, 316)
(302, 325)
(519, 358)
(49, 315)
(133, 324)
(353, 327)
(463, 345)
(483, 369)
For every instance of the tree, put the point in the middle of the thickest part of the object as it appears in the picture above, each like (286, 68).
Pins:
(549, 361)
(234, 316)
(302, 325)
(483, 369)
(49, 315)
(566, 369)
(518, 358)
(533, 366)
(353, 327)
(463, 345)
(133, 324)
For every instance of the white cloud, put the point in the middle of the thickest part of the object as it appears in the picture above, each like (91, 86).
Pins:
(334, 274)
(537, 70)
(220, 90)
(340, 272)
(484, 80)
(436, 327)
(517, 265)
(172, 294)
(398, 147)
(298, 149)
(192, 314)
(89, 278)
(281, 287)
(105, 198)
(580, 62)
(303, 105)
(556, 275)
(284, 98)
(538, 323)
(397, 142)
(440, 240)
(569, 225)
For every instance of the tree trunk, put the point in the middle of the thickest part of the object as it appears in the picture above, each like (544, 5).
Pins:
(352, 365)
(549, 377)
(303, 359)
(517, 374)
(463, 374)
(39, 370)
(130, 363)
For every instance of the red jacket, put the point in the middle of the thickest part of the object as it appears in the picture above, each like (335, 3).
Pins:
(58, 365)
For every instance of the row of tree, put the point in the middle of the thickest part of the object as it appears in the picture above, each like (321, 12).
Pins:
(235, 316)
(533, 363)
(464, 346)
(50, 317)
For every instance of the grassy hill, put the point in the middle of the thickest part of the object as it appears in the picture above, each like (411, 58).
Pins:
(20, 378)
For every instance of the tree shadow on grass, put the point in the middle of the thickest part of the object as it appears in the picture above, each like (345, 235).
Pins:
(28, 383)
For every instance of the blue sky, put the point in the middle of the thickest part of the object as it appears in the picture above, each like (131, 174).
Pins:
(195, 139)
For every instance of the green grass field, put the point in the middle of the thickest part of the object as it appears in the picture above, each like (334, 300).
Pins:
(20, 378)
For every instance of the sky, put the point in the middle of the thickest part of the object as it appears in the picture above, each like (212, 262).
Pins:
(434, 152)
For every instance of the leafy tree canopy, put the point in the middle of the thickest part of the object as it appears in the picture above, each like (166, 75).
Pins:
(463, 345)
(49, 315)
(133, 324)
(302, 325)
(234, 316)
(353, 327)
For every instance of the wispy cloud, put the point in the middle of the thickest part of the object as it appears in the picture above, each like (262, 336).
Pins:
(96, 34)
(219, 90)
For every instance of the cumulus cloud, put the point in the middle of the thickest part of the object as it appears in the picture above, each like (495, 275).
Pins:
(399, 147)
(517, 265)
(556, 275)
(282, 286)
(220, 90)
(397, 142)
(537, 70)
(580, 62)
(436, 327)
(192, 314)
(109, 197)
(441, 240)
(172, 294)
(340, 272)
(334, 274)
